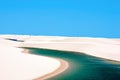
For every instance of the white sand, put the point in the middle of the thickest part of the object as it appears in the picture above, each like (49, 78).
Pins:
(18, 66)
(15, 65)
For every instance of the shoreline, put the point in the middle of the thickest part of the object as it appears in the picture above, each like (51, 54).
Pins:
(106, 51)
(63, 66)
(59, 70)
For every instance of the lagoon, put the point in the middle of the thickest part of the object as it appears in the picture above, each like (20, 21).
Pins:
(82, 66)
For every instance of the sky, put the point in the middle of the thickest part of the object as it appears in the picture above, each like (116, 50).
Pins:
(82, 18)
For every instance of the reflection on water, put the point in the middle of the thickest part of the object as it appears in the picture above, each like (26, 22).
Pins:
(82, 66)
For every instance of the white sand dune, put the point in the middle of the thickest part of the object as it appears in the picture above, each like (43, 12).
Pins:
(15, 65)
(18, 66)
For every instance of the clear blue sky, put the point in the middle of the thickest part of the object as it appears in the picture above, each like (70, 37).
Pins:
(89, 18)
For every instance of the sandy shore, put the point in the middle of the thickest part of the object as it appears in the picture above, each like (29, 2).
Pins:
(103, 50)
(99, 47)
(64, 65)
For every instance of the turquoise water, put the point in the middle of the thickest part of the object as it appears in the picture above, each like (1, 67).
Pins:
(82, 66)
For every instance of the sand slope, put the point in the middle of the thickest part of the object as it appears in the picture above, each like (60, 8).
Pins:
(15, 65)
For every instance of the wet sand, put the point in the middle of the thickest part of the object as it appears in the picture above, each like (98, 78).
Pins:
(64, 65)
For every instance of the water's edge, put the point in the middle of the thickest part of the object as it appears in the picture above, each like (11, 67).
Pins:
(82, 66)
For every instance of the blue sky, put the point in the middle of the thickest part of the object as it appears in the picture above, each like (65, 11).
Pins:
(89, 18)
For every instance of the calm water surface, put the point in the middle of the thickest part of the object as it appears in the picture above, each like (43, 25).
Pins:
(82, 66)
